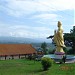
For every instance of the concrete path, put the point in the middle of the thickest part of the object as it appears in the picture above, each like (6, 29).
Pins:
(68, 61)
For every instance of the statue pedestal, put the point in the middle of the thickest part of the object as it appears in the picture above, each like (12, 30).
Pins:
(59, 55)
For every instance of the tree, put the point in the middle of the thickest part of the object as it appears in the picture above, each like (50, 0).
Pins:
(44, 47)
(70, 39)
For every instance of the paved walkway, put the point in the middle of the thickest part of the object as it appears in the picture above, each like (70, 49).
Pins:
(69, 61)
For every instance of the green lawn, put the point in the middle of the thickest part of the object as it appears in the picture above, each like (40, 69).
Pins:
(27, 67)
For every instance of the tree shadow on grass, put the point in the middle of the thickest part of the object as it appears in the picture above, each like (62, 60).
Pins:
(41, 72)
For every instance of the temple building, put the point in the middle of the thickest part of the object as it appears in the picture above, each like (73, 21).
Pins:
(16, 51)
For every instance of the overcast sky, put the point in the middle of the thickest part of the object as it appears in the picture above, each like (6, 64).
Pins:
(35, 18)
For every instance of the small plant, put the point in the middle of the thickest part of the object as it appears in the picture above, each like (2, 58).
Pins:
(46, 62)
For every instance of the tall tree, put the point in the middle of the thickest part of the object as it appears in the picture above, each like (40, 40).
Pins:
(44, 47)
(70, 39)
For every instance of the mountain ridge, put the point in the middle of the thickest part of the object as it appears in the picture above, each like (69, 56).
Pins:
(4, 39)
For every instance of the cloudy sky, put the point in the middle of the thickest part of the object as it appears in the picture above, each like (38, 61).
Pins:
(35, 18)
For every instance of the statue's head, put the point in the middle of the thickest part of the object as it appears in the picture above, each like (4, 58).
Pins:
(59, 24)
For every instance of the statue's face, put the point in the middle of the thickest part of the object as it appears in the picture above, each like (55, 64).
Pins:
(59, 25)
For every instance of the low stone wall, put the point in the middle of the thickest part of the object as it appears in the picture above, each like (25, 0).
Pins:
(2, 58)
(13, 57)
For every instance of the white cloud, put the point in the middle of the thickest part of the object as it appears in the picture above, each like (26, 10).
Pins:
(46, 16)
(24, 31)
(59, 4)
(73, 25)
(23, 7)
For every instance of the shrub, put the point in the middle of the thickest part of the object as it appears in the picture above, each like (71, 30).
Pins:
(46, 63)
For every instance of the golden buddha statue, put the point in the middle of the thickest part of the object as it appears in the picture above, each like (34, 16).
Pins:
(59, 39)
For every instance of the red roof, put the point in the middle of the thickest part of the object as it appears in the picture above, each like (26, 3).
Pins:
(15, 49)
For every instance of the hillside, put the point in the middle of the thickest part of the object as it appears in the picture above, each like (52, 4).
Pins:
(22, 40)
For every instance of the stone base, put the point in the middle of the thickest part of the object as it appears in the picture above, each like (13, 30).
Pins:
(59, 56)
(59, 53)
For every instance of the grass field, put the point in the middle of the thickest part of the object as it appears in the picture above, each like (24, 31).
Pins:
(27, 67)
